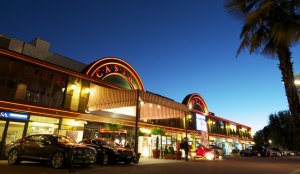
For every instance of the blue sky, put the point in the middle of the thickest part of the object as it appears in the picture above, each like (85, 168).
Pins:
(178, 47)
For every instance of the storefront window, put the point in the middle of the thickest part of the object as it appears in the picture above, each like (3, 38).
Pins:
(14, 132)
(45, 125)
(72, 128)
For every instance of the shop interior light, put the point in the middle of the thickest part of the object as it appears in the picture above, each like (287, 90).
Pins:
(158, 106)
(150, 105)
(63, 89)
(142, 102)
(73, 86)
(87, 90)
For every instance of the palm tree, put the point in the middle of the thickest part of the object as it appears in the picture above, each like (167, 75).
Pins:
(271, 28)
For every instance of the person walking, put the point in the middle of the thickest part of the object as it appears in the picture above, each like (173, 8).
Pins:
(186, 148)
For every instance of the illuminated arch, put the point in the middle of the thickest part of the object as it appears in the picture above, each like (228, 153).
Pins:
(196, 103)
(115, 71)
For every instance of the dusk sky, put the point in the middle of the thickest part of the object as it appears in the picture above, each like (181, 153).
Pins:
(178, 47)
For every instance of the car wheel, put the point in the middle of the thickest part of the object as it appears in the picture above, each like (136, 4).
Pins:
(13, 157)
(58, 159)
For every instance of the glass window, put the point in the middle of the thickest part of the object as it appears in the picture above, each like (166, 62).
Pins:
(45, 125)
(72, 128)
(30, 83)
(44, 119)
(14, 132)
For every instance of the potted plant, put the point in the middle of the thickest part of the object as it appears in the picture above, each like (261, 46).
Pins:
(167, 153)
(157, 131)
(156, 151)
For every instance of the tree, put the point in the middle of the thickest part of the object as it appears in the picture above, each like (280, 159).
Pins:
(261, 137)
(280, 130)
(271, 28)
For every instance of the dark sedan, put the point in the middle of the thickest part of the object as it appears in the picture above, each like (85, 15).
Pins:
(112, 152)
(254, 151)
(56, 149)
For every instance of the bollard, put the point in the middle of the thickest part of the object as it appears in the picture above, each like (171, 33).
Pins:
(70, 159)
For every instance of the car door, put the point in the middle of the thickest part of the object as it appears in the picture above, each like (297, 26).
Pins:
(27, 147)
(46, 148)
(34, 147)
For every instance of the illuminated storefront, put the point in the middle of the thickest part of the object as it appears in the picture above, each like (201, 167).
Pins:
(12, 126)
(78, 102)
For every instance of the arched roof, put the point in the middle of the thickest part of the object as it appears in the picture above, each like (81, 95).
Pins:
(115, 71)
(196, 103)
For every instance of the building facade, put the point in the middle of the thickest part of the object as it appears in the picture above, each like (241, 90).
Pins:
(44, 92)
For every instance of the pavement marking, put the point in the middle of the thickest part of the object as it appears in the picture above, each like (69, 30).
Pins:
(295, 171)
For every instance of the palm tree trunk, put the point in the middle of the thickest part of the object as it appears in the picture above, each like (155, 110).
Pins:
(286, 67)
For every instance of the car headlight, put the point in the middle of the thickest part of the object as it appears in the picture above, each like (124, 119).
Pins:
(77, 151)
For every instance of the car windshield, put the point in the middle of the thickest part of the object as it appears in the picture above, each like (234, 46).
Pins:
(63, 139)
(106, 142)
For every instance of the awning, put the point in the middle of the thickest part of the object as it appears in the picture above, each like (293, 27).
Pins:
(153, 106)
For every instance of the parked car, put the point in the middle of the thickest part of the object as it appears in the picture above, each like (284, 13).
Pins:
(254, 151)
(112, 152)
(56, 149)
(204, 152)
(273, 151)
(218, 150)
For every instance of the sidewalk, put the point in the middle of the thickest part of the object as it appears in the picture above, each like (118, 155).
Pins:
(144, 161)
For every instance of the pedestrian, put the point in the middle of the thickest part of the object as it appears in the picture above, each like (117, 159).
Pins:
(186, 148)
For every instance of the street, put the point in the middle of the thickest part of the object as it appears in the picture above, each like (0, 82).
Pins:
(232, 165)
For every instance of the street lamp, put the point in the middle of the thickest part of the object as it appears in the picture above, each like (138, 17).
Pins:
(270, 142)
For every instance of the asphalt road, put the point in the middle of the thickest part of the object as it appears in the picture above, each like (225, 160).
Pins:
(232, 165)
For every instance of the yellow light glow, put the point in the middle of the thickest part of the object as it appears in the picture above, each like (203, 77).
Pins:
(297, 82)
(87, 90)
(146, 131)
(142, 102)
(150, 105)
(41, 124)
(73, 86)
(158, 106)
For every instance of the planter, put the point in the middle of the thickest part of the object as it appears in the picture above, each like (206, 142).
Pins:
(168, 156)
(156, 153)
